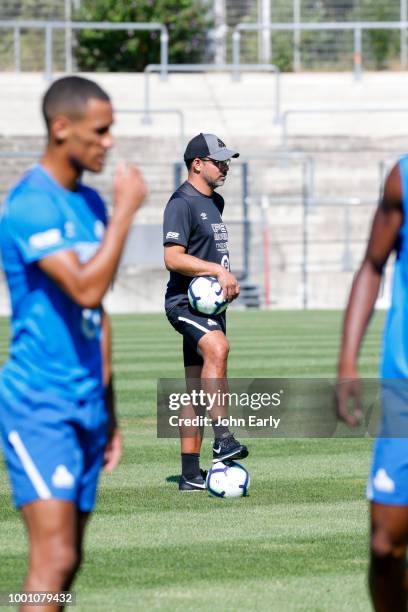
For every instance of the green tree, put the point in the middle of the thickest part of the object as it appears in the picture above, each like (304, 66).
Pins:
(382, 44)
(187, 21)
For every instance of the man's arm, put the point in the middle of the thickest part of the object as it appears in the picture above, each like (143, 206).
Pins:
(387, 223)
(113, 451)
(87, 283)
(177, 260)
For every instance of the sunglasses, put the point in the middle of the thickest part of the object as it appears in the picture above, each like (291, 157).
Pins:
(220, 164)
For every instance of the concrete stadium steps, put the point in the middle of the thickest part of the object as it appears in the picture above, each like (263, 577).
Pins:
(350, 168)
(337, 174)
(346, 149)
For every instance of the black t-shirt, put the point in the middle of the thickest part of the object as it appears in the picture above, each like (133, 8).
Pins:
(194, 221)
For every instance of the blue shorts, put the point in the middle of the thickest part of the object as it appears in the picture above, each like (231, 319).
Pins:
(53, 448)
(388, 479)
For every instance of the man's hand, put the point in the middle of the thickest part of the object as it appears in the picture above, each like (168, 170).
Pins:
(228, 283)
(348, 389)
(113, 451)
(129, 190)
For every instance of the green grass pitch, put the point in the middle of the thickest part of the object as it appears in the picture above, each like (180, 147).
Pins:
(298, 542)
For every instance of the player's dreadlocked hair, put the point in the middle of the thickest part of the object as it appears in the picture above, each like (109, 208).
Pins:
(69, 96)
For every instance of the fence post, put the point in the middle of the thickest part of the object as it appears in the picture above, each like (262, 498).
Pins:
(265, 34)
(146, 119)
(278, 118)
(284, 121)
(358, 51)
(296, 36)
(236, 52)
(17, 49)
(68, 36)
(265, 249)
(220, 31)
(305, 239)
(48, 53)
(164, 53)
(245, 211)
(404, 46)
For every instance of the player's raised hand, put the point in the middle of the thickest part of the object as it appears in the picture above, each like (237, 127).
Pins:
(130, 189)
(228, 283)
(348, 400)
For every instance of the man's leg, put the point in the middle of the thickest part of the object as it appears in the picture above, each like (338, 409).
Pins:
(191, 438)
(52, 527)
(214, 348)
(387, 576)
(205, 352)
(82, 521)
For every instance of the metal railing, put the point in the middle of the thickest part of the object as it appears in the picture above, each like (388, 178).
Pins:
(49, 26)
(213, 68)
(160, 111)
(306, 199)
(329, 111)
(357, 27)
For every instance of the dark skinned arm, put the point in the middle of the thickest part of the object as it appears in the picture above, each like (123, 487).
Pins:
(385, 229)
(113, 451)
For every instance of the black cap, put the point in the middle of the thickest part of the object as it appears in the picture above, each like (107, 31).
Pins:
(208, 145)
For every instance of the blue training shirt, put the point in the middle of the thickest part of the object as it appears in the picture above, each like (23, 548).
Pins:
(55, 343)
(395, 341)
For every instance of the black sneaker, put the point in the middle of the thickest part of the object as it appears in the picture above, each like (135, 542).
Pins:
(193, 484)
(228, 448)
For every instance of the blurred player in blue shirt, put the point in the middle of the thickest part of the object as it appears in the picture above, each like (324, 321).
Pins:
(60, 255)
(387, 488)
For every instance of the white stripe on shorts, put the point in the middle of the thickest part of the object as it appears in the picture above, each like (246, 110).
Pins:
(197, 325)
(29, 466)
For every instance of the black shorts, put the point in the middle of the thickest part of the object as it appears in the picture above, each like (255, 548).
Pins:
(193, 325)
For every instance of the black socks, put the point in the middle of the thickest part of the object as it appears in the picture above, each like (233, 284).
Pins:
(190, 465)
(220, 431)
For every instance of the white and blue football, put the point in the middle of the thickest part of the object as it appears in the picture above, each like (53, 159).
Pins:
(228, 479)
(205, 295)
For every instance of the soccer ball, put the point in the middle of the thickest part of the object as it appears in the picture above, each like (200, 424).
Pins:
(205, 295)
(228, 479)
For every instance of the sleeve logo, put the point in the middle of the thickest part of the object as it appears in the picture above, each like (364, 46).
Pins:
(173, 235)
(45, 239)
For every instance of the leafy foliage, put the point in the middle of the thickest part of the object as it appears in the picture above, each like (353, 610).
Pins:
(187, 21)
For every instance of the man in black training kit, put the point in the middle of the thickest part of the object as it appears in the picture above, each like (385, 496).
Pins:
(196, 244)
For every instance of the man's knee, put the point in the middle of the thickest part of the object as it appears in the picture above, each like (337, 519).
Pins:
(217, 350)
(62, 560)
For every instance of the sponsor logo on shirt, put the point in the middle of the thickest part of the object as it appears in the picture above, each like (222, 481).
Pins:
(382, 482)
(99, 229)
(220, 231)
(211, 322)
(62, 478)
(173, 235)
(69, 228)
(225, 262)
(203, 215)
(90, 323)
(46, 239)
